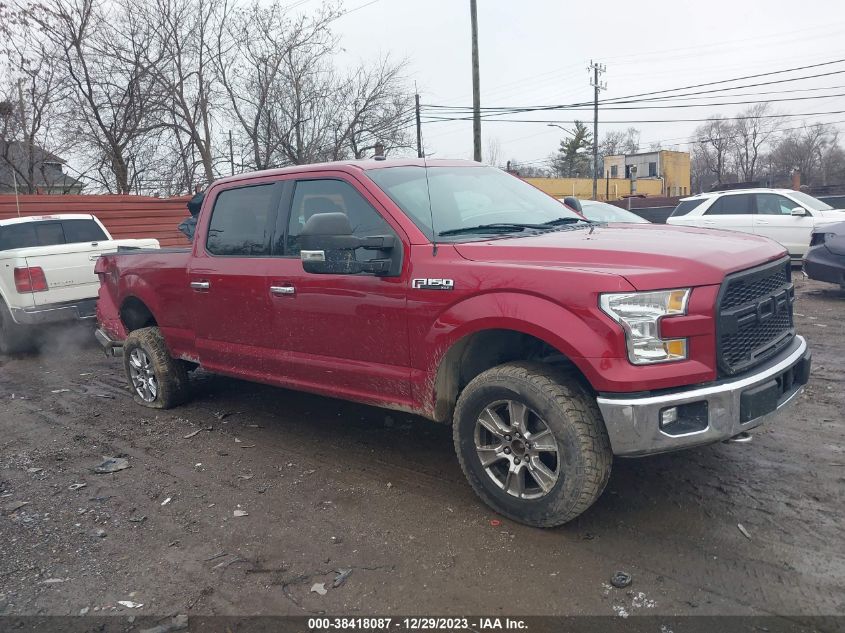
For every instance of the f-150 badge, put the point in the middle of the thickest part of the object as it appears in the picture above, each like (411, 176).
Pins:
(433, 284)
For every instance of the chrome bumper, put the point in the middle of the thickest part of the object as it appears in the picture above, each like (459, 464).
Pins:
(706, 414)
(56, 312)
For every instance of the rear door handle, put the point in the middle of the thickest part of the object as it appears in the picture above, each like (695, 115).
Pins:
(200, 285)
(762, 222)
(282, 290)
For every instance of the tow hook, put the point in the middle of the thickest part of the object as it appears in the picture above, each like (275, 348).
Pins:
(739, 438)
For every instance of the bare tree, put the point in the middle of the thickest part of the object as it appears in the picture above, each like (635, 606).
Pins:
(749, 136)
(493, 151)
(27, 134)
(375, 107)
(252, 49)
(813, 149)
(105, 53)
(185, 34)
(712, 146)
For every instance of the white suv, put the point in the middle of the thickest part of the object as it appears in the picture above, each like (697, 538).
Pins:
(783, 215)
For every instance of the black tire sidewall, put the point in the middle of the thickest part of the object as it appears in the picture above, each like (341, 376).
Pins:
(567, 490)
(171, 378)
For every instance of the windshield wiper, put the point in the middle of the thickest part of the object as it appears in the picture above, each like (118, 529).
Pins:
(499, 227)
(567, 220)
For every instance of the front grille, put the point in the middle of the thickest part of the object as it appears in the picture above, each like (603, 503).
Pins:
(754, 316)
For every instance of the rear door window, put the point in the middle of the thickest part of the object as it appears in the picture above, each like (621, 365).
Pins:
(31, 234)
(685, 206)
(240, 221)
(740, 204)
(77, 231)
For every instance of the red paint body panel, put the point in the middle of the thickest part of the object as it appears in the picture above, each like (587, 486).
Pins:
(377, 340)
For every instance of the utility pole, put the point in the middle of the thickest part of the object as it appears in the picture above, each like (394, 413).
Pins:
(597, 86)
(476, 89)
(419, 126)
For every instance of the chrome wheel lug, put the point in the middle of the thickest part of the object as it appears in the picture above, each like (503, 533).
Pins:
(507, 438)
(507, 450)
(516, 460)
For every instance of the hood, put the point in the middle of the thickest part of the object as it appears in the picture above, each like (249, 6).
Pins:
(832, 215)
(649, 256)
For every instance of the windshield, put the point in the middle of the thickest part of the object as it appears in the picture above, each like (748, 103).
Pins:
(813, 204)
(466, 197)
(603, 212)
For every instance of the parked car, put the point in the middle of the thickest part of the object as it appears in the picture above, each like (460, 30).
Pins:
(825, 259)
(463, 294)
(783, 215)
(603, 212)
(47, 272)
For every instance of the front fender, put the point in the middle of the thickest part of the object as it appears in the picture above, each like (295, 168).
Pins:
(577, 333)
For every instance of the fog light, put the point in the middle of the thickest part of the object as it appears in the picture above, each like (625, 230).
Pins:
(668, 416)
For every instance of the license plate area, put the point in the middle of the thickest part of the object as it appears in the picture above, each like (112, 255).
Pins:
(766, 397)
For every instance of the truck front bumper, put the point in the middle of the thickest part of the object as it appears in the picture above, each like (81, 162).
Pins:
(56, 312)
(668, 421)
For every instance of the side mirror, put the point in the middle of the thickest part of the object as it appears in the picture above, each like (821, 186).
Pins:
(573, 203)
(799, 212)
(328, 248)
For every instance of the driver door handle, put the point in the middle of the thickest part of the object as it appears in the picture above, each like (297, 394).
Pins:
(280, 291)
(200, 285)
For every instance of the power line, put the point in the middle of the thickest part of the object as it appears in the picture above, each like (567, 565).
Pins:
(737, 118)
(634, 98)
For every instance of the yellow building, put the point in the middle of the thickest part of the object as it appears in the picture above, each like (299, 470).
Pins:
(608, 189)
(671, 170)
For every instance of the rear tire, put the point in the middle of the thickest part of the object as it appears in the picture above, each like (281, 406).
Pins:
(14, 338)
(532, 443)
(157, 380)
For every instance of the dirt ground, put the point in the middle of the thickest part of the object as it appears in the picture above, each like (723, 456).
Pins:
(329, 486)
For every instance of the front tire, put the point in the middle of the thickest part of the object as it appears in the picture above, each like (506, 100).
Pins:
(14, 338)
(157, 380)
(532, 443)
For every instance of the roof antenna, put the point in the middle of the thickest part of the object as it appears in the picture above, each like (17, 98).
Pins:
(428, 191)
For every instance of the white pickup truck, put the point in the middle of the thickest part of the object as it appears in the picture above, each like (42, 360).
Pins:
(47, 273)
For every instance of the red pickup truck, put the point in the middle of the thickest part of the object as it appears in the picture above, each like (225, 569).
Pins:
(460, 293)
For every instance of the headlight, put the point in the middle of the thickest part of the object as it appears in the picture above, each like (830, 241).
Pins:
(639, 314)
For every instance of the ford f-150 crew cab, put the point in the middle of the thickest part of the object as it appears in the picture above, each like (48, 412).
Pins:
(47, 272)
(460, 293)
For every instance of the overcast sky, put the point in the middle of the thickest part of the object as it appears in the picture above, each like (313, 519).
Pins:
(536, 51)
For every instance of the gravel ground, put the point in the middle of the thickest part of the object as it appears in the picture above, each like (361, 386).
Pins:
(329, 486)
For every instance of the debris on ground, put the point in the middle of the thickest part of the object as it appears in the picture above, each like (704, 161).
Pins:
(246, 477)
(100, 533)
(76, 486)
(166, 501)
(60, 391)
(129, 604)
(621, 579)
(15, 506)
(240, 513)
(742, 529)
(34, 471)
(111, 465)
(340, 577)
(139, 519)
(320, 588)
(191, 434)
(495, 522)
